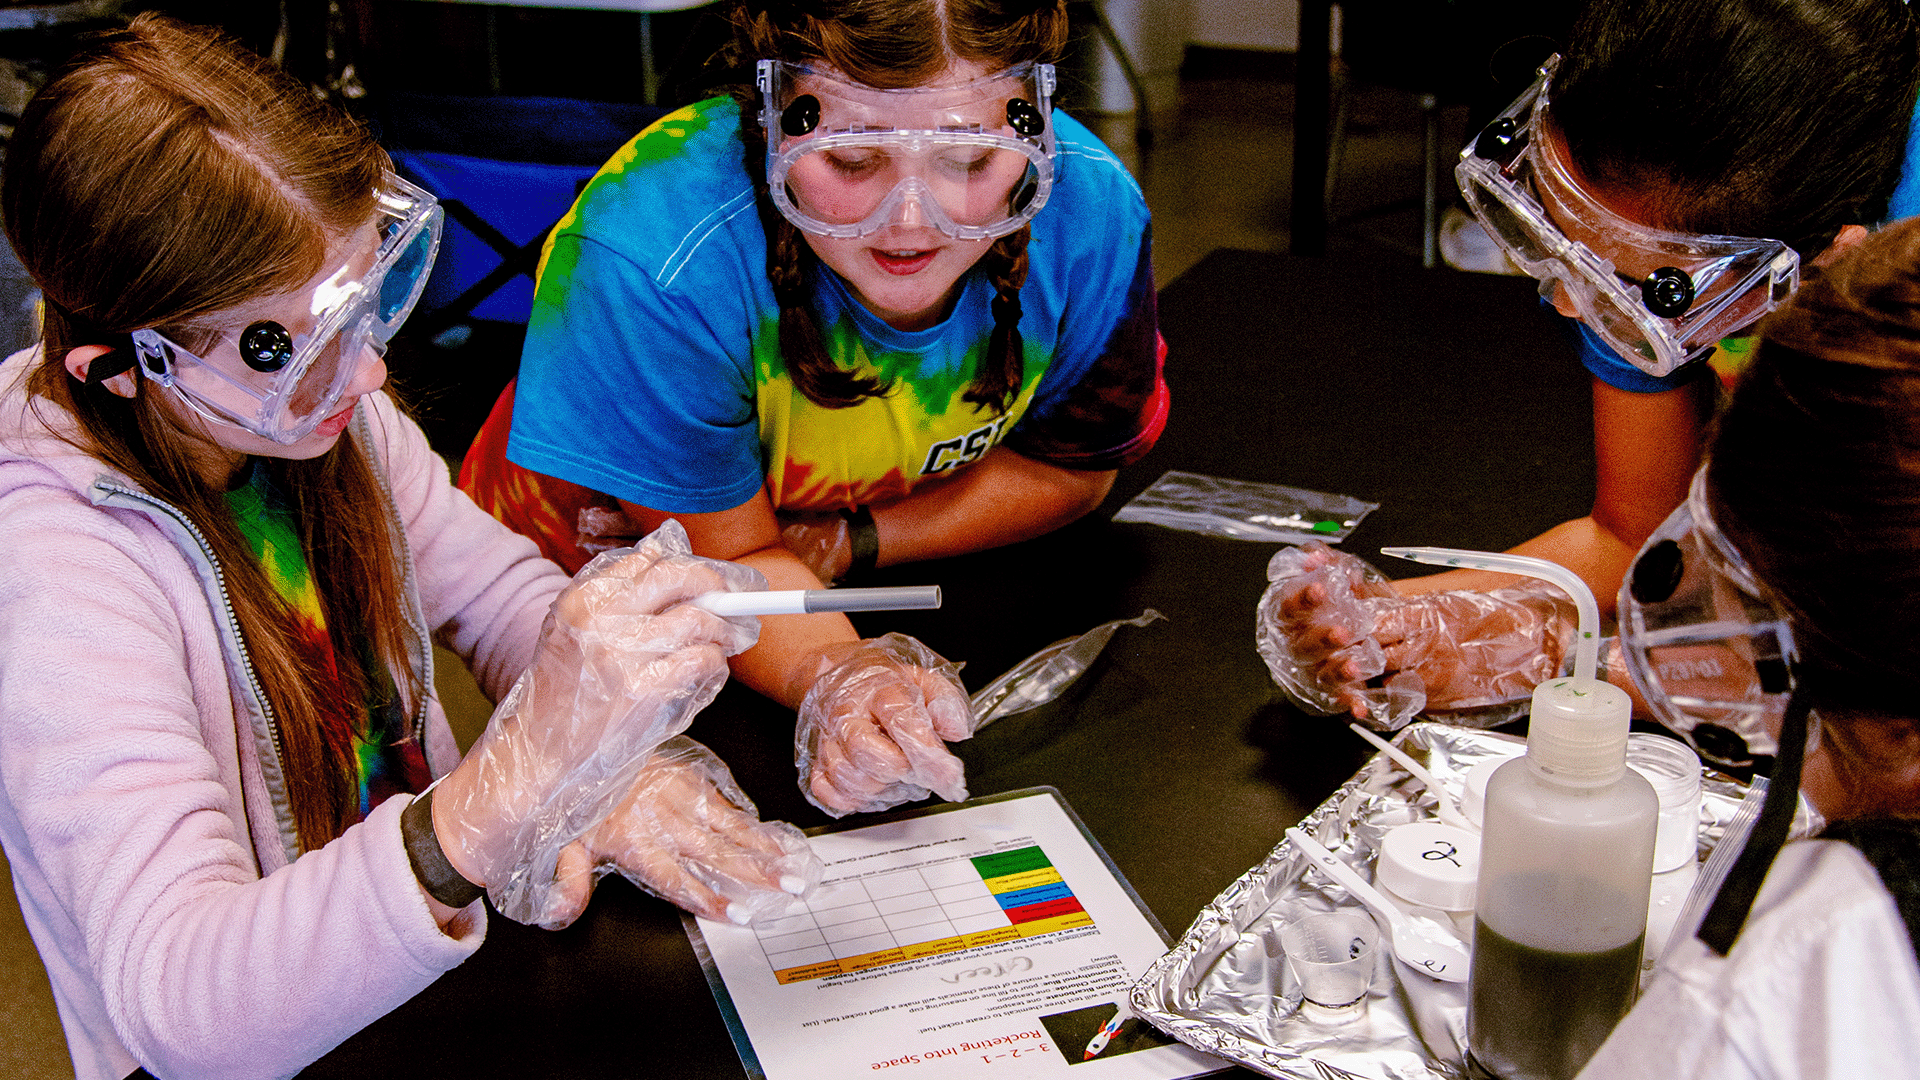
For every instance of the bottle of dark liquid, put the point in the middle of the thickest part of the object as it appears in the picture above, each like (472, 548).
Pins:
(1566, 868)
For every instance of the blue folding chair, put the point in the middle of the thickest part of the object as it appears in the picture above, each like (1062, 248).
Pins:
(506, 169)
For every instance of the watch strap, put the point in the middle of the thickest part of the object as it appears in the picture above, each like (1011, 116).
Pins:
(864, 537)
(430, 865)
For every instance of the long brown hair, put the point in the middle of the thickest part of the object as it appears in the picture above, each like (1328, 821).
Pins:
(892, 44)
(1814, 472)
(168, 175)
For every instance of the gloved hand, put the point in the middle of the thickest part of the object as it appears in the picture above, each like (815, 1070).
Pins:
(1338, 638)
(623, 664)
(821, 541)
(687, 834)
(605, 528)
(874, 726)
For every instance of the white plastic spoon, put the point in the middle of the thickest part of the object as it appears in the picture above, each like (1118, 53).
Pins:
(1449, 811)
(1419, 942)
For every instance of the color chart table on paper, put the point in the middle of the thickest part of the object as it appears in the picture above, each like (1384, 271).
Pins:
(896, 916)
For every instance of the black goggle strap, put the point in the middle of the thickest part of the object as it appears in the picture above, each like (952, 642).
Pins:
(1728, 913)
(118, 362)
(105, 366)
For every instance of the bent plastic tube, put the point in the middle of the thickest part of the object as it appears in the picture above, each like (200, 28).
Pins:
(809, 601)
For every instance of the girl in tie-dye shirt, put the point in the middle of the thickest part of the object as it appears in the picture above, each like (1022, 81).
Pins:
(814, 390)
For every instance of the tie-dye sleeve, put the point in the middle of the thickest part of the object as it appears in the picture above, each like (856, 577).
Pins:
(1112, 414)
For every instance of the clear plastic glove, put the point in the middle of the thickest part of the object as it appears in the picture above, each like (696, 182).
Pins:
(687, 834)
(1338, 638)
(874, 726)
(624, 663)
(822, 541)
(605, 528)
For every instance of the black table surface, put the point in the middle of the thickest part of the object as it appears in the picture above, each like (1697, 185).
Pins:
(1450, 399)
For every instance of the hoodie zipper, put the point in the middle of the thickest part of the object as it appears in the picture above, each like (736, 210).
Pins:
(422, 660)
(423, 643)
(289, 841)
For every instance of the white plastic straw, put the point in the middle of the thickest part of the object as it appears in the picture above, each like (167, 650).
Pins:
(1586, 650)
(808, 601)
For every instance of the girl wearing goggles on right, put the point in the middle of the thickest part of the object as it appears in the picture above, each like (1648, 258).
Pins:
(1791, 577)
(1669, 179)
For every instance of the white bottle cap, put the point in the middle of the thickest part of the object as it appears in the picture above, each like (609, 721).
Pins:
(1578, 731)
(1431, 864)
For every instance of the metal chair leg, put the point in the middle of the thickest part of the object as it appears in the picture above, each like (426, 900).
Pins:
(1430, 195)
(1142, 115)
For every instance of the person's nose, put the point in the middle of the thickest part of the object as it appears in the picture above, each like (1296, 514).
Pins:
(1562, 300)
(371, 376)
(908, 213)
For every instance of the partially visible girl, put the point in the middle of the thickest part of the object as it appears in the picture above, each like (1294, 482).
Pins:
(1675, 175)
(227, 556)
(1794, 565)
(886, 305)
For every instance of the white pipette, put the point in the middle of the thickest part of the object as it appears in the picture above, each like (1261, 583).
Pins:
(809, 601)
(1449, 810)
(1586, 648)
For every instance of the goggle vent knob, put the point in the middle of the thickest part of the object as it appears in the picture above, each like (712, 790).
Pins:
(1024, 117)
(1667, 292)
(1656, 574)
(801, 117)
(266, 346)
(1721, 746)
(1496, 139)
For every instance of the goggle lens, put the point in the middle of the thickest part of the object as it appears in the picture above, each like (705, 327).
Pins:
(1528, 199)
(1709, 654)
(974, 161)
(847, 184)
(407, 276)
(343, 322)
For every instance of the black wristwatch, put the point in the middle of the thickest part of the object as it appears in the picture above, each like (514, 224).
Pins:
(865, 539)
(430, 864)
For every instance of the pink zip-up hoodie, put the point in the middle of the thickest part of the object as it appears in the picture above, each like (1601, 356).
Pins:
(142, 807)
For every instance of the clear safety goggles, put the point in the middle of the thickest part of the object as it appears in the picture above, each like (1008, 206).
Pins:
(1679, 292)
(1711, 656)
(845, 160)
(279, 382)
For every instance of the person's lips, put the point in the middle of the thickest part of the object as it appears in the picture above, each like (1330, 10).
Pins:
(903, 261)
(337, 423)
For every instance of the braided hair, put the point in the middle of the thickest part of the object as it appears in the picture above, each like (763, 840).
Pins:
(890, 44)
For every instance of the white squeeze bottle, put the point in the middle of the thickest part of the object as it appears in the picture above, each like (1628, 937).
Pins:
(1566, 866)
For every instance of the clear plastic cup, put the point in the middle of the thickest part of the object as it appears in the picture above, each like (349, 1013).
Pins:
(1331, 955)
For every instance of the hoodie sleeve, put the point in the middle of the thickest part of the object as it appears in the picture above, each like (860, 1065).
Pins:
(120, 811)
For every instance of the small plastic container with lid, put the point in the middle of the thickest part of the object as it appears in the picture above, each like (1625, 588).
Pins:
(1474, 802)
(1432, 865)
(1673, 769)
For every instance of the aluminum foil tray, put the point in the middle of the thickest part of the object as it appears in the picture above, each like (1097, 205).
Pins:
(1224, 988)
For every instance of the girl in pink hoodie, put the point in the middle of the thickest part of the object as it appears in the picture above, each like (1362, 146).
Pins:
(227, 555)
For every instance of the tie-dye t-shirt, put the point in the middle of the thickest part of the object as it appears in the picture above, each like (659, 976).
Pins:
(652, 370)
(390, 759)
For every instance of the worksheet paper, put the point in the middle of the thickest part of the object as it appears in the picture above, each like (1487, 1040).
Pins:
(991, 938)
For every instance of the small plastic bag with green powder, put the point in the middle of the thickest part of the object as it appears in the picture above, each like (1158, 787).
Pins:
(1245, 510)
